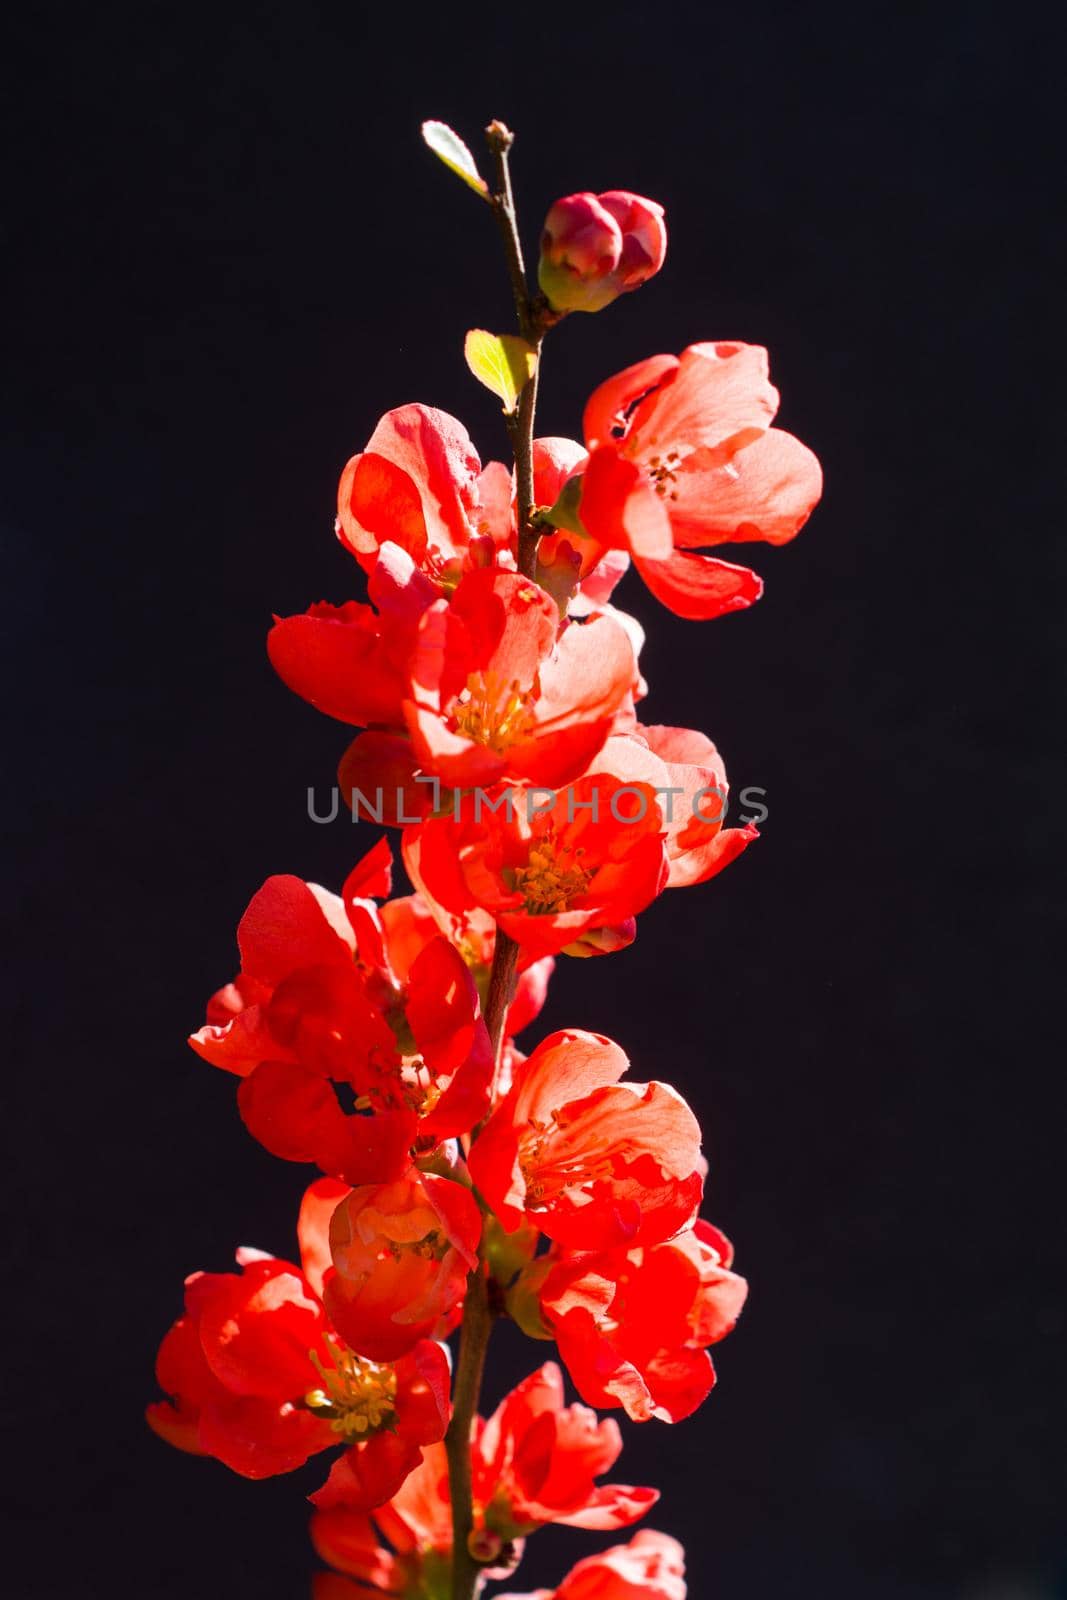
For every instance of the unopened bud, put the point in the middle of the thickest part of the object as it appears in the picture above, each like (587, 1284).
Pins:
(523, 1299)
(596, 247)
(508, 1253)
(644, 236)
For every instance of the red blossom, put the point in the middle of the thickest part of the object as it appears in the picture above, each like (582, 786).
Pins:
(633, 1324)
(417, 485)
(682, 454)
(689, 776)
(351, 661)
(402, 1252)
(592, 1162)
(596, 247)
(259, 1377)
(317, 1003)
(555, 873)
(496, 695)
(535, 1461)
(650, 1567)
(403, 1548)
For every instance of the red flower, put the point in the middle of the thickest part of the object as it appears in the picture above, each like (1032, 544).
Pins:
(402, 1253)
(352, 661)
(632, 1324)
(260, 1379)
(682, 454)
(417, 485)
(650, 1567)
(689, 775)
(552, 878)
(417, 1525)
(495, 694)
(317, 1003)
(596, 247)
(535, 1461)
(592, 1162)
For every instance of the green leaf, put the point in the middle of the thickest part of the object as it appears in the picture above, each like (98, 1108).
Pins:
(502, 361)
(565, 513)
(450, 149)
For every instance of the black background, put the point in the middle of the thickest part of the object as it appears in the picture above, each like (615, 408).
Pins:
(229, 255)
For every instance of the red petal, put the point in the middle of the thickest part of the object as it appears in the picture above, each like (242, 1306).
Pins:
(372, 876)
(368, 1474)
(767, 490)
(286, 927)
(320, 1201)
(377, 780)
(378, 501)
(620, 509)
(608, 405)
(423, 1404)
(531, 992)
(260, 1438)
(442, 1006)
(615, 1505)
(256, 1330)
(721, 388)
(706, 860)
(348, 1540)
(238, 1046)
(700, 587)
(295, 1115)
(333, 657)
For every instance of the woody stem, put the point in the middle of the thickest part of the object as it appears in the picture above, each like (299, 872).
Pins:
(477, 1316)
(477, 1319)
(474, 1340)
(501, 990)
(532, 327)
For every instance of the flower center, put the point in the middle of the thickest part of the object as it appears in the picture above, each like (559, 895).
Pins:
(358, 1397)
(552, 878)
(552, 1163)
(493, 714)
(664, 473)
(433, 1246)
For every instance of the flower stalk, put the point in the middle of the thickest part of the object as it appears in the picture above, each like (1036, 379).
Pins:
(533, 323)
(477, 1317)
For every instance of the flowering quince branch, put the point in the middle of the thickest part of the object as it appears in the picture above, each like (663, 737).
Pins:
(372, 1035)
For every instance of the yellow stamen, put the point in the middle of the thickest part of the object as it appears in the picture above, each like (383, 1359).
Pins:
(663, 473)
(549, 1168)
(492, 713)
(358, 1397)
(551, 879)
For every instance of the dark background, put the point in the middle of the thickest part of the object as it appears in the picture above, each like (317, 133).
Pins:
(229, 253)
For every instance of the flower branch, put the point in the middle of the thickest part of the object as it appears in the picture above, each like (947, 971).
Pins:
(495, 726)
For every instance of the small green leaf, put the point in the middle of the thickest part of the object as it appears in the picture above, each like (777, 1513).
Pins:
(450, 149)
(502, 361)
(565, 513)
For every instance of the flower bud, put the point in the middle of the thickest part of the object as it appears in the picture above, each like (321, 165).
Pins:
(644, 236)
(596, 247)
(508, 1253)
(523, 1299)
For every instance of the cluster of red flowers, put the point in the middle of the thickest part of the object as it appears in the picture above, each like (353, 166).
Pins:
(498, 711)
